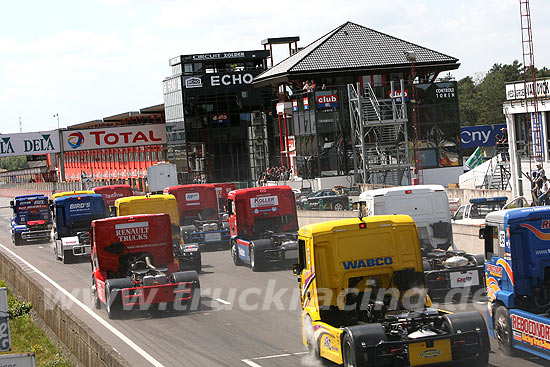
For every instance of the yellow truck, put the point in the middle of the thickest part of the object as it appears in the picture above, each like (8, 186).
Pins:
(188, 256)
(364, 302)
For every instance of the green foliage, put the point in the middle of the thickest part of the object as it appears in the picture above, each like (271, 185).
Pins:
(27, 337)
(480, 99)
(18, 308)
(13, 163)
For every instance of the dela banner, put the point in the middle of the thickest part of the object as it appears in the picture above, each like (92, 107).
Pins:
(29, 143)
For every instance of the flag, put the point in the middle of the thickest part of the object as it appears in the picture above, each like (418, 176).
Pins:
(475, 159)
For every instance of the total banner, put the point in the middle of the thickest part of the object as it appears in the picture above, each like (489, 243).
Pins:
(114, 137)
(41, 142)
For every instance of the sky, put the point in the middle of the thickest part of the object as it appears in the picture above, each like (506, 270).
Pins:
(86, 60)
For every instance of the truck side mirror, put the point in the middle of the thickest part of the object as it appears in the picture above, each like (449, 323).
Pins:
(112, 211)
(296, 269)
(11, 204)
(481, 234)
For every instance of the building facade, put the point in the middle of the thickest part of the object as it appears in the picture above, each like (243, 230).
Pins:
(216, 120)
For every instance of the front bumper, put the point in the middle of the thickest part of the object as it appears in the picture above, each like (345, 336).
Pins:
(288, 251)
(210, 238)
(35, 235)
(445, 279)
(154, 294)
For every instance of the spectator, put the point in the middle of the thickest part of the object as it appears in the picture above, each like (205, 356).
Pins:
(312, 86)
(540, 173)
(305, 86)
(504, 136)
(324, 86)
(543, 198)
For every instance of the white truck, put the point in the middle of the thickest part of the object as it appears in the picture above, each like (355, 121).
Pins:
(445, 267)
(161, 175)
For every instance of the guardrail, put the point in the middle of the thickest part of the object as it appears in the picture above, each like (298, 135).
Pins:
(81, 341)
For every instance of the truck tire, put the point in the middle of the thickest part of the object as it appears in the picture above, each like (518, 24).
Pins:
(235, 253)
(348, 352)
(113, 296)
(17, 240)
(338, 206)
(68, 256)
(468, 321)
(197, 266)
(503, 330)
(312, 344)
(356, 338)
(256, 255)
(97, 302)
(192, 277)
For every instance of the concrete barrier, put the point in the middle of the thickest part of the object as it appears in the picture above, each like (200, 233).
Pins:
(80, 340)
(306, 217)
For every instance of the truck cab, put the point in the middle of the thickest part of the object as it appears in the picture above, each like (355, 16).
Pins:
(517, 247)
(31, 219)
(73, 219)
(445, 266)
(112, 192)
(188, 255)
(199, 217)
(263, 222)
(361, 285)
(133, 266)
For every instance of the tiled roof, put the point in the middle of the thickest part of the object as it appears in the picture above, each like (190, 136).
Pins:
(352, 46)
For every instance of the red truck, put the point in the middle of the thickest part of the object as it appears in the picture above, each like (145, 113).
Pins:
(133, 266)
(222, 189)
(199, 217)
(112, 192)
(264, 226)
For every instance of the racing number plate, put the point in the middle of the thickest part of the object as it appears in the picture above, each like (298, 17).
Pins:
(211, 237)
(420, 354)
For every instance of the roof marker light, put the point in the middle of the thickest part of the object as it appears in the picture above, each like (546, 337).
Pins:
(408, 191)
(362, 225)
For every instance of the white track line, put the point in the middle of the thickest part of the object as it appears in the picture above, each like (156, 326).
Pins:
(222, 301)
(108, 326)
(251, 362)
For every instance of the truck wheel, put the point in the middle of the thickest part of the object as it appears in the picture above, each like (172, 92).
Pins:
(235, 253)
(312, 345)
(97, 302)
(198, 265)
(17, 240)
(503, 330)
(469, 321)
(113, 303)
(338, 206)
(193, 278)
(348, 352)
(68, 256)
(255, 260)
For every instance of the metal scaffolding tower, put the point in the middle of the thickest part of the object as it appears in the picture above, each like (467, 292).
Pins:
(529, 79)
(379, 137)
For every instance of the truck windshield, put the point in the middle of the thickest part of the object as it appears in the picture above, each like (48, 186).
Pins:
(480, 211)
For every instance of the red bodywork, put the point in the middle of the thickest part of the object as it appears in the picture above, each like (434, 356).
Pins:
(258, 209)
(222, 189)
(149, 233)
(112, 192)
(194, 200)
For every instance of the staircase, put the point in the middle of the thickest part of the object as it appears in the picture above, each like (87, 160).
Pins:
(498, 173)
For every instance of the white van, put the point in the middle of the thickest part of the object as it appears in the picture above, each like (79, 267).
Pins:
(428, 205)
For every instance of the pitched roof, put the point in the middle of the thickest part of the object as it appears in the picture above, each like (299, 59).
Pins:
(350, 47)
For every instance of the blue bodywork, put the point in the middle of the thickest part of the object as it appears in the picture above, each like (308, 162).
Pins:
(75, 213)
(518, 275)
(31, 219)
(209, 238)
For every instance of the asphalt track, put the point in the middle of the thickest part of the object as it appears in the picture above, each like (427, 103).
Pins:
(244, 319)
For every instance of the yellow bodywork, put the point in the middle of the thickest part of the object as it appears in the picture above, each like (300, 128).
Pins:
(336, 252)
(70, 193)
(151, 204)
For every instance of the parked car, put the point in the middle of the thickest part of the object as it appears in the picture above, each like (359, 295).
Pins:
(478, 208)
(329, 199)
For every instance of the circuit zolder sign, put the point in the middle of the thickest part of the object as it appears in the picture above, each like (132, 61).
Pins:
(115, 137)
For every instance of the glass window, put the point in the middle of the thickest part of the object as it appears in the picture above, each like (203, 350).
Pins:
(460, 213)
(188, 68)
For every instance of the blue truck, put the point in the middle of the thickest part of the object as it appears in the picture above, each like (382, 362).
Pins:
(73, 219)
(31, 219)
(517, 270)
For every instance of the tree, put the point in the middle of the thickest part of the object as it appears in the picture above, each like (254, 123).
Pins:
(13, 163)
(480, 97)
